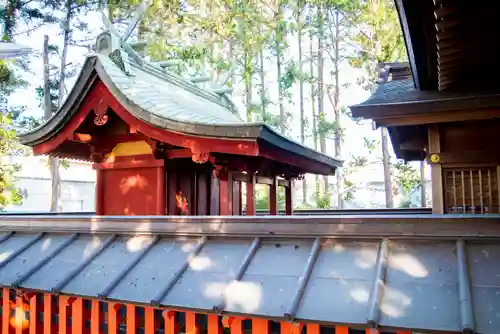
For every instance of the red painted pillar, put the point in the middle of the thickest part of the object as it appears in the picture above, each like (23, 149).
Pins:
(250, 210)
(225, 193)
(273, 197)
(288, 198)
(161, 191)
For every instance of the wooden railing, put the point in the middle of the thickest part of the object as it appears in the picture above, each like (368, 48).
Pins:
(29, 312)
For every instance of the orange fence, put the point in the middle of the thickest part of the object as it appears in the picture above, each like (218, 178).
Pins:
(45, 313)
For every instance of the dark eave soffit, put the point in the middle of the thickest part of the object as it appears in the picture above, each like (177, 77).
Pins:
(417, 23)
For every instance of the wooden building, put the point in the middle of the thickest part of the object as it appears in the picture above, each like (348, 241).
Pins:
(443, 105)
(163, 146)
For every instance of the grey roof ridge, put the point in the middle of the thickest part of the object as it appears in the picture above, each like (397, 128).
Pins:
(185, 84)
(243, 131)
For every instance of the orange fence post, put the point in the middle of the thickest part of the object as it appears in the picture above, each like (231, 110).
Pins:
(213, 324)
(35, 324)
(131, 319)
(312, 329)
(149, 321)
(341, 330)
(170, 323)
(372, 331)
(6, 310)
(48, 313)
(96, 317)
(78, 316)
(291, 328)
(191, 325)
(63, 315)
(260, 326)
(19, 320)
(234, 323)
(114, 318)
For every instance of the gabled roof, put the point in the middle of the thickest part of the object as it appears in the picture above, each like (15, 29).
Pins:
(401, 275)
(170, 103)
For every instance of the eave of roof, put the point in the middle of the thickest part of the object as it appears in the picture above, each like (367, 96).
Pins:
(400, 97)
(98, 67)
(435, 270)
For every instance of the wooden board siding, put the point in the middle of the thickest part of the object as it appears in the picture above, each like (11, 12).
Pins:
(131, 191)
(202, 193)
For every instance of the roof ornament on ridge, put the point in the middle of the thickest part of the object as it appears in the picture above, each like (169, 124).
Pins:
(113, 44)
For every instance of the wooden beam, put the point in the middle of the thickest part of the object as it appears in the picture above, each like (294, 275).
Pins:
(273, 198)
(469, 156)
(259, 179)
(438, 117)
(225, 193)
(289, 198)
(250, 195)
(434, 145)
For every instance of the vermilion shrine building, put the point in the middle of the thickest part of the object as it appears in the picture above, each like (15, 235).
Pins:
(161, 145)
(167, 254)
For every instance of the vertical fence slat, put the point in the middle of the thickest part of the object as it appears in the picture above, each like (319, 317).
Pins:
(149, 321)
(131, 319)
(473, 204)
(313, 329)
(290, 328)
(77, 317)
(96, 317)
(341, 330)
(170, 323)
(35, 323)
(48, 314)
(454, 191)
(19, 316)
(6, 310)
(213, 324)
(481, 200)
(191, 326)
(113, 318)
(63, 315)
(234, 324)
(260, 326)
(464, 210)
(490, 193)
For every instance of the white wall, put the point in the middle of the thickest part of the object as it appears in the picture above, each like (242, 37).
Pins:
(77, 185)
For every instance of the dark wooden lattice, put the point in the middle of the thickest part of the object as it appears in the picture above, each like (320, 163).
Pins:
(471, 190)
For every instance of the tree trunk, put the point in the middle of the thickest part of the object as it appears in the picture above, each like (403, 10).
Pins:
(336, 109)
(321, 111)
(262, 85)
(301, 98)
(9, 20)
(55, 204)
(280, 88)
(313, 103)
(248, 85)
(386, 159)
(423, 195)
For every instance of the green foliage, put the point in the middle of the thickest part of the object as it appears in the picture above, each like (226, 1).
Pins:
(378, 37)
(262, 198)
(323, 199)
(407, 176)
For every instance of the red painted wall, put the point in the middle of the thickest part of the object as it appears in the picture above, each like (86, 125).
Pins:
(130, 191)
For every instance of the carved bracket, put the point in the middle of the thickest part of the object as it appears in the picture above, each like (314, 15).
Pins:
(100, 112)
(200, 157)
